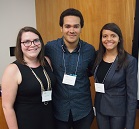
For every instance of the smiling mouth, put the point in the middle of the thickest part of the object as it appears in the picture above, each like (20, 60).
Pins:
(33, 49)
(72, 36)
(109, 43)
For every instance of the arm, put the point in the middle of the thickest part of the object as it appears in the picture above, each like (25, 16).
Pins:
(10, 80)
(49, 62)
(131, 82)
(91, 64)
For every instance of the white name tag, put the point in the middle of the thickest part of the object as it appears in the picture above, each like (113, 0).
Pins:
(46, 95)
(69, 79)
(99, 87)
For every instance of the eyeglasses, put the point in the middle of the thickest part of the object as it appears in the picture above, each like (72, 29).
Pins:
(28, 43)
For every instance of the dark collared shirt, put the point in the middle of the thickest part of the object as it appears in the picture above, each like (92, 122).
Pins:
(76, 98)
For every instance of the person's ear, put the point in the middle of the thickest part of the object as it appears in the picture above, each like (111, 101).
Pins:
(61, 29)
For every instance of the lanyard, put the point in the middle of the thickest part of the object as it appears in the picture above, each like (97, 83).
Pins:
(39, 80)
(105, 74)
(77, 61)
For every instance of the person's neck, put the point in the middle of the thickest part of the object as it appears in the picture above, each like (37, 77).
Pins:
(110, 56)
(32, 63)
(71, 46)
(111, 52)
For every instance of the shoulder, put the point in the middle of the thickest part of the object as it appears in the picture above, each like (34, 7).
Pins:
(48, 61)
(11, 68)
(131, 62)
(86, 45)
(53, 45)
(11, 73)
(54, 42)
(131, 59)
(88, 49)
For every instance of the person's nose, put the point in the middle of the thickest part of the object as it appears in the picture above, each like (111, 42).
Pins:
(32, 43)
(72, 30)
(109, 38)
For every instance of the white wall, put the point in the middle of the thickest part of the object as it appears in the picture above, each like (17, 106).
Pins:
(14, 14)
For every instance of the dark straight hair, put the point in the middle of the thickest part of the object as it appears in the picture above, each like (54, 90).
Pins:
(71, 12)
(121, 52)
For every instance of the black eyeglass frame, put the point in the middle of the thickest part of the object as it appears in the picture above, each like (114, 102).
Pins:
(28, 43)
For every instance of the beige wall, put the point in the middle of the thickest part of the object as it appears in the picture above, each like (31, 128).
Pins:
(96, 13)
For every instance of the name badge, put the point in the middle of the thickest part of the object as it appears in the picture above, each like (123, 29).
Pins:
(69, 79)
(46, 95)
(99, 87)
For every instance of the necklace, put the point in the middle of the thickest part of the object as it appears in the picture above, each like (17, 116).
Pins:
(109, 59)
(39, 80)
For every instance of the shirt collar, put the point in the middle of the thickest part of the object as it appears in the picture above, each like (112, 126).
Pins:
(64, 48)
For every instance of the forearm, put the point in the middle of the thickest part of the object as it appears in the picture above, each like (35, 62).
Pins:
(10, 118)
(130, 117)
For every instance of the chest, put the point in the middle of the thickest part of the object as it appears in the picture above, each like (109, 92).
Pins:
(70, 62)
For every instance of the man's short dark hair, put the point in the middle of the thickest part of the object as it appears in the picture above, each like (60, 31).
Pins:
(71, 12)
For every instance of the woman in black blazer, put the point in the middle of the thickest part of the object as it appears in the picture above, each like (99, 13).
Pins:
(115, 74)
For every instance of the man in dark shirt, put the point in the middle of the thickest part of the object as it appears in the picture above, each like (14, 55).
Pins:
(71, 59)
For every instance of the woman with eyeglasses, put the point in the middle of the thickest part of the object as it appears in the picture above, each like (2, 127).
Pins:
(27, 84)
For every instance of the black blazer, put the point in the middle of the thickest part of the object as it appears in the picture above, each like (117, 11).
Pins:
(120, 97)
